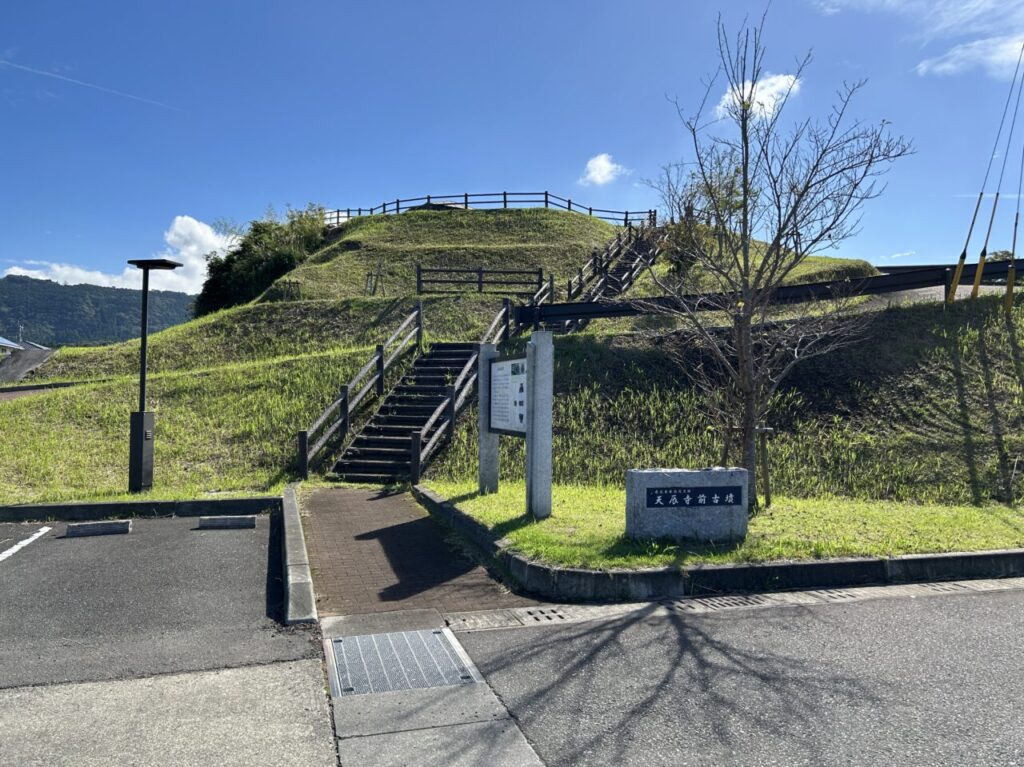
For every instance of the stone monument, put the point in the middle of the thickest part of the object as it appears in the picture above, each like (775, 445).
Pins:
(706, 505)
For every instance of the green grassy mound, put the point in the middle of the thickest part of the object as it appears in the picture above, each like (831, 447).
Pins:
(265, 331)
(557, 241)
(229, 429)
(928, 408)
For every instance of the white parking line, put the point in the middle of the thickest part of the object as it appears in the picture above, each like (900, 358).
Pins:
(22, 544)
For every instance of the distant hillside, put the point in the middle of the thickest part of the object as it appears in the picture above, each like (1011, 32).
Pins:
(58, 315)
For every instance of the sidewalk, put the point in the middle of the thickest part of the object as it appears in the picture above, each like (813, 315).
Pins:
(376, 551)
(404, 692)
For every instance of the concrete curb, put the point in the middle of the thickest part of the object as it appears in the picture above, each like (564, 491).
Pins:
(565, 584)
(84, 512)
(227, 522)
(300, 599)
(109, 527)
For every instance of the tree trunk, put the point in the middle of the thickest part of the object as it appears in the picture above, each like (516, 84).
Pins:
(748, 405)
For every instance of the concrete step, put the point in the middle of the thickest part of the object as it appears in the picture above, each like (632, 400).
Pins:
(367, 479)
(383, 468)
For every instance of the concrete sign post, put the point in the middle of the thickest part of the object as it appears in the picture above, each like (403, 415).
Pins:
(487, 449)
(708, 505)
(540, 364)
(516, 396)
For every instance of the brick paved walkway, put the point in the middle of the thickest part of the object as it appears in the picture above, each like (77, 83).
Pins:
(374, 551)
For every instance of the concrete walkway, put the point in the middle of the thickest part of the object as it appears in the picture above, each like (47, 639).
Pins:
(383, 568)
(376, 551)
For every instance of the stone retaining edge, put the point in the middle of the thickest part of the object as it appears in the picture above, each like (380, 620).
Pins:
(88, 512)
(568, 584)
(300, 599)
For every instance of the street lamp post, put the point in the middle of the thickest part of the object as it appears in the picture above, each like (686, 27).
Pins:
(140, 441)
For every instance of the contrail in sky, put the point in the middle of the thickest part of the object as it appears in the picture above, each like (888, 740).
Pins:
(87, 85)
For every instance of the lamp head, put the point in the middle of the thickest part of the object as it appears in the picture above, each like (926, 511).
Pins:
(154, 263)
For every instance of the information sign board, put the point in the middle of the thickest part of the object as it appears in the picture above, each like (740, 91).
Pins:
(508, 396)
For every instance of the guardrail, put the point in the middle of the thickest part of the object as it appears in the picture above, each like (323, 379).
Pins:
(335, 421)
(498, 280)
(910, 279)
(339, 216)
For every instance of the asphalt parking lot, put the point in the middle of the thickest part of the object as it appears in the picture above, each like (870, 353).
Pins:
(162, 643)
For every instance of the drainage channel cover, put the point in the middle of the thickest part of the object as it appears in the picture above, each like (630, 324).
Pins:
(403, 660)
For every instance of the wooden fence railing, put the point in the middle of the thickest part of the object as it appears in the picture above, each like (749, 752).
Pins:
(505, 281)
(442, 420)
(598, 264)
(335, 421)
(339, 216)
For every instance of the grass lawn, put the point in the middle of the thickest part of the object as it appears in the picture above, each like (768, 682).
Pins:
(524, 238)
(225, 430)
(587, 526)
(261, 332)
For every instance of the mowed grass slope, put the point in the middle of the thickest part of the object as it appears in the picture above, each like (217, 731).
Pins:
(257, 332)
(928, 408)
(556, 241)
(229, 429)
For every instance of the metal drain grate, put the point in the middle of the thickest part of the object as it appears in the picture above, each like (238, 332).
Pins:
(404, 660)
(941, 588)
(836, 595)
(730, 602)
(543, 615)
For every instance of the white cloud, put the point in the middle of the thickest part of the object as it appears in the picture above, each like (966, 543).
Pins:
(188, 241)
(904, 254)
(985, 34)
(769, 93)
(997, 56)
(601, 170)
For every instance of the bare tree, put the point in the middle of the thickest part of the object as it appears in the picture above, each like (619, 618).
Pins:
(760, 197)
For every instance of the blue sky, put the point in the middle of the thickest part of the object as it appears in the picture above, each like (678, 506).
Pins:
(128, 127)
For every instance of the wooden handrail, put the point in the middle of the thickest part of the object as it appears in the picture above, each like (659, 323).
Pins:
(546, 199)
(379, 362)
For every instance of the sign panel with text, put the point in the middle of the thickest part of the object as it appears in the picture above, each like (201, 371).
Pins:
(508, 396)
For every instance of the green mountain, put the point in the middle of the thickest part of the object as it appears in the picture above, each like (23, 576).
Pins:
(58, 315)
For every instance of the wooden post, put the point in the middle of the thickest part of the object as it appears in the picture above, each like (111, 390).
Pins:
(348, 213)
(947, 280)
(570, 203)
(507, 304)
(419, 326)
(504, 199)
(480, 279)
(380, 369)
(344, 411)
(398, 206)
(304, 454)
(465, 200)
(590, 211)
(625, 218)
(568, 290)
(1011, 278)
(360, 212)
(415, 446)
(766, 481)
(545, 199)
(419, 279)
(551, 288)
(428, 199)
(450, 412)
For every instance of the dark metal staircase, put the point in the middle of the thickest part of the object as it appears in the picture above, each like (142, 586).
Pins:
(383, 451)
